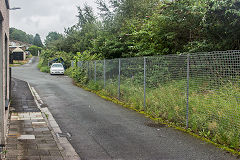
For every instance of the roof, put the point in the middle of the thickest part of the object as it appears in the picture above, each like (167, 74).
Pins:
(20, 43)
(18, 50)
(16, 46)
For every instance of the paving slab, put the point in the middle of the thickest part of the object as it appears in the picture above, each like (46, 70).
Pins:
(22, 137)
(29, 136)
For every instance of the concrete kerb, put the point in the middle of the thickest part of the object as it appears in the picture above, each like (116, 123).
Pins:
(66, 149)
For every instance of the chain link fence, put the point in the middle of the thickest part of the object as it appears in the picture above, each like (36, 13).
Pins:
(200, 91)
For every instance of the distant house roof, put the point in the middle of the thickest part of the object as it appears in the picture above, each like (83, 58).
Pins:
(17, 47)
(17, 50)
(18, 43)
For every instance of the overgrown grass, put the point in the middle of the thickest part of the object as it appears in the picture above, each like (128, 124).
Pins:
(29, 56)
(20, 62)
(213, 114)
(45, 69)
(42, 67)
(214, 110)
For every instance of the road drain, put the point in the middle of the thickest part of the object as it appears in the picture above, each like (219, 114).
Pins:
(67, 135)
(44, 106)
(155, 125)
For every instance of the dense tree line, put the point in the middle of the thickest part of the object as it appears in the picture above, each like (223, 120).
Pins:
(19, 35)
(130, 28)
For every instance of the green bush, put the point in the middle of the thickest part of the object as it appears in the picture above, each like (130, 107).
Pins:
(40, 63)
(48, 55)
(45, 69)
(34, 50)
(78, 74)
(29, 56)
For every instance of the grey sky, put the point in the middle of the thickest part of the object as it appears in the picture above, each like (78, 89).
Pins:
(43, 16)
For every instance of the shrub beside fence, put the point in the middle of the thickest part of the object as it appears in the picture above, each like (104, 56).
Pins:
(199, 91)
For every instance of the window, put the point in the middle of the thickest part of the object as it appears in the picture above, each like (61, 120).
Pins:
(57, 66)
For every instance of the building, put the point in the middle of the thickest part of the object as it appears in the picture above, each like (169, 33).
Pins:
(4, 69)
(18, 54)
(11, 48)
(17, 50)
(13, 44)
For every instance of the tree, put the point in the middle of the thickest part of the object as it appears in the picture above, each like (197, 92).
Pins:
(19, 35)
(34, 50)
(37, 41)
(222, 24)
(79, 37)
(130, 28)
(85, 16)
(51, 39)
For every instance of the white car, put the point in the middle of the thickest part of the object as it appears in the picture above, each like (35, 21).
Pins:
(57, 68)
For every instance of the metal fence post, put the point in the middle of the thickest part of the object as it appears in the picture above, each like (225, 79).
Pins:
(104, 73)
(95, 73)
(187, 107)
(119, 77)
(144, 83)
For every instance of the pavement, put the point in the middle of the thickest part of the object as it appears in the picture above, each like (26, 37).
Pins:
(101, 130)
(30, 135)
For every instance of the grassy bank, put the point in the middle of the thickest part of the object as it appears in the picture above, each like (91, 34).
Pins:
(213, 112)
(43, 67)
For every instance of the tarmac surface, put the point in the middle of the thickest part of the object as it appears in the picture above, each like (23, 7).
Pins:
(101, 130)
(22, 98)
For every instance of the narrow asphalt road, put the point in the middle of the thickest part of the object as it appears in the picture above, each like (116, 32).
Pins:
(102, 130)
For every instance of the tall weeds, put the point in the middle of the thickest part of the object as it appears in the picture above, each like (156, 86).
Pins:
(214, 112)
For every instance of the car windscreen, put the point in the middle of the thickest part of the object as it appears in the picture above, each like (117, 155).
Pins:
(57, 66)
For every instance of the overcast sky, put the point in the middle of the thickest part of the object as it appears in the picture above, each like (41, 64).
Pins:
(43, 16)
